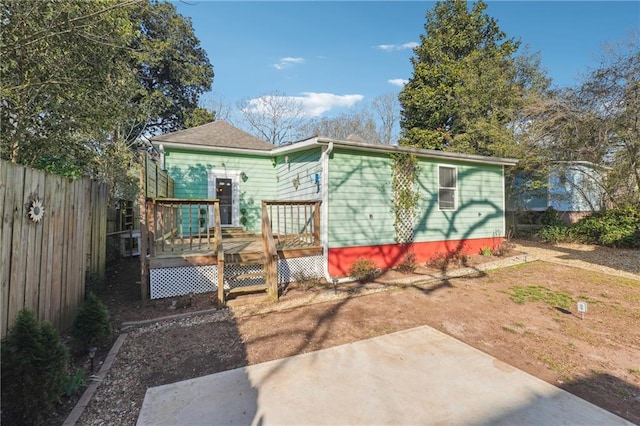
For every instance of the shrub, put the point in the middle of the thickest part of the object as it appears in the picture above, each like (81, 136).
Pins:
(550, 217)
(554, 234)
(486, 251)
(363, 270)
(34, 362)
(74, 382)
(615, 227)
(408, 264)
(439, 261)
(91, 326)
(504, 248)
(442, 260)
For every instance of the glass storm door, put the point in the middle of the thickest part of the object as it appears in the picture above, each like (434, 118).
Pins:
(224, 193)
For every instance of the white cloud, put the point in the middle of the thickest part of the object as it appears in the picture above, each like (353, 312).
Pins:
(392, 47)
(316, 104)
(309, 104)
(288, 62)
(400, 82)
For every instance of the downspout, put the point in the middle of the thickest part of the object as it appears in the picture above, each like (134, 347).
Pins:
(324, 217)
(162, 165)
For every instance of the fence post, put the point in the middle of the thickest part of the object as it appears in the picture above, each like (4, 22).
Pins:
(142, 201)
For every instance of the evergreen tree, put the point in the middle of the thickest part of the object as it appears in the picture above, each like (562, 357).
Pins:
(467, 86)
(34, 362)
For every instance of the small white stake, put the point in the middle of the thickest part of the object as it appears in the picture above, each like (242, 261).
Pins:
(582, 308)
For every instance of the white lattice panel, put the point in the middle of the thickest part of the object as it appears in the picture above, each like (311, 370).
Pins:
(179, 281)
(233, 272)
(405, 218)
(299, 268)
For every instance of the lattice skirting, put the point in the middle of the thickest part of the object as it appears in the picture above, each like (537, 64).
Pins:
(180, 281)
(299, 269)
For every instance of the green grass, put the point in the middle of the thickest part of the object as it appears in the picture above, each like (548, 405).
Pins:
(635, 371)
(509, 330)
(534, 293)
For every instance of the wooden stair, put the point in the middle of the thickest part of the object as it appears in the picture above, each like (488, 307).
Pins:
(244, 273)
(237, 232)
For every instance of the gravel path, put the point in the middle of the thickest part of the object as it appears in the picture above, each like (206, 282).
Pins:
(618, 262)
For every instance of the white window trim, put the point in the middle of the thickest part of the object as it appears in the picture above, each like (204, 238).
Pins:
(235, 176)
(455, 190)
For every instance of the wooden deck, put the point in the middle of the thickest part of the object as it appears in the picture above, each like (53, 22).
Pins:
(196, 251)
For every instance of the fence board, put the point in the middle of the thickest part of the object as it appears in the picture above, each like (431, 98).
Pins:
(6, 231)
(44, 265)
(33, 190)
(58, 255)
(17, 263)
(99, 241)
(157, 183)
(44, 297)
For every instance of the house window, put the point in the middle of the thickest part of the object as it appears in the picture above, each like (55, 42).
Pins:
(447, 188)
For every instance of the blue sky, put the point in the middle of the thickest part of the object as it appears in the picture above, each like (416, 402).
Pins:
(338, 55)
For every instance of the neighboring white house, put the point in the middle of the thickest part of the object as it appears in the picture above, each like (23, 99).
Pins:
(573, 188)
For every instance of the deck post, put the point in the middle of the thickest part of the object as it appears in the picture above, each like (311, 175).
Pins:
(220, 253)
(270, 255)
(316, 223)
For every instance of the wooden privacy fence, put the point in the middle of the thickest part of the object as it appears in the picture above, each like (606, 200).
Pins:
(45, 263)
(156, 182)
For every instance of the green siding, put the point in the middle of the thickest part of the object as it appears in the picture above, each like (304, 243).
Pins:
(190, 169)
(361, 201)
(301, 167)
(360, 197)
(479, 212)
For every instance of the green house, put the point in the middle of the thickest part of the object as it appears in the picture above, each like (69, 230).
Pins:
(372, 201)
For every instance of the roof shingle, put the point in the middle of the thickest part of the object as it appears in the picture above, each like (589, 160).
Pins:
(215, 134)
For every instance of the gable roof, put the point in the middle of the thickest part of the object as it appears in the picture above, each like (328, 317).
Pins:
(220, 136)
(218, 133)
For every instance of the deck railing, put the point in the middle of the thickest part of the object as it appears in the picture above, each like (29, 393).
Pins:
(178, 225)
(294, 223)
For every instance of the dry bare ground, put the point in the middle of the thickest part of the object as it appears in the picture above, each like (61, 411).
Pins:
(524, 315)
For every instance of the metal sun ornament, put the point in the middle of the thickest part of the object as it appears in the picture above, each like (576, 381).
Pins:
(36, 211)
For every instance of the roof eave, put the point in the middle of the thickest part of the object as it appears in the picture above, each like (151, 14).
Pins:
(425, 153)
(208, 148)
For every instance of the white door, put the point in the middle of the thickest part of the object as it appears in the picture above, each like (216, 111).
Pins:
(223, 185)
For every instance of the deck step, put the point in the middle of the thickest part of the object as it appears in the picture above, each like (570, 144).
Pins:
(237, 232)
(247, 276)
(248, 299)
(247, 289)
(244, 259)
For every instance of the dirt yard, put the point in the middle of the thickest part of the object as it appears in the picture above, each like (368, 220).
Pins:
(524, 315)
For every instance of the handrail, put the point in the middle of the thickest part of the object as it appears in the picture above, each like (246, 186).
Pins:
(294, 223)
(270, 255)
(181, 225)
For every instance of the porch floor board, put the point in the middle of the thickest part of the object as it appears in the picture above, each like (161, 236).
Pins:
(182, 248)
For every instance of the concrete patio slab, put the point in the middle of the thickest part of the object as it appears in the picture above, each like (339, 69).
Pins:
(417, 376)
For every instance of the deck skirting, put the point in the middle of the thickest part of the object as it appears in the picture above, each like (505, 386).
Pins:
(183, 280)
(299, 269)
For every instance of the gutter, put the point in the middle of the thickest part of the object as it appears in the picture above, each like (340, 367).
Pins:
(425, 153)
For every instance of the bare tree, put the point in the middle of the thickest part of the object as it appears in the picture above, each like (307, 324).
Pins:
(387, 107)
(273, 117)
(597, 122)
(359, 124)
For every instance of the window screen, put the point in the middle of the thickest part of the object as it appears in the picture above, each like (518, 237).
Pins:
(448, 186)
